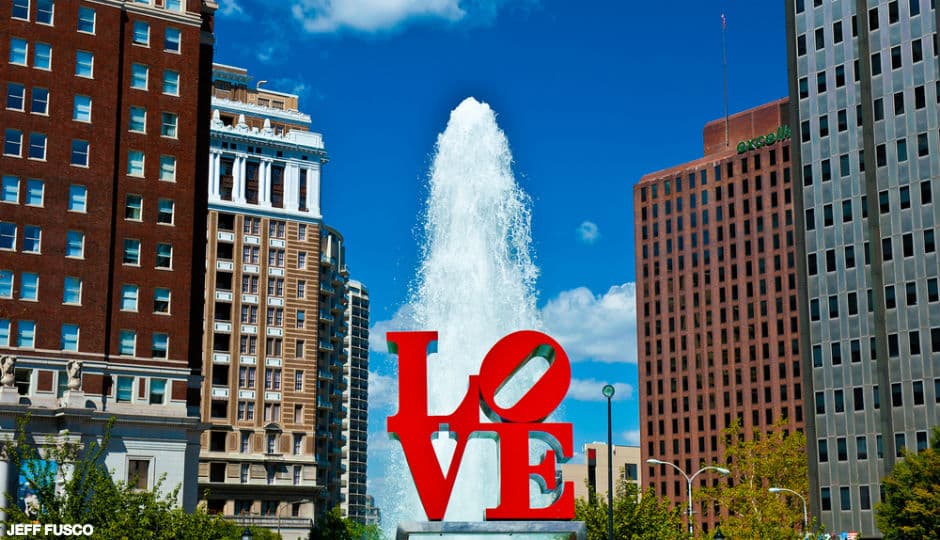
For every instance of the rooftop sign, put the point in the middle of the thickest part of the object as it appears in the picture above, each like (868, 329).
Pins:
(782, 133)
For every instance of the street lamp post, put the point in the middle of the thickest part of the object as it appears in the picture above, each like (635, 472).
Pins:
(609, 393)
(277, 512)
(805, 514)
(688, 480)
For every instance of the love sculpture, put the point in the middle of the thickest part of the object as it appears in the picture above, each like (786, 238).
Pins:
(513, 426)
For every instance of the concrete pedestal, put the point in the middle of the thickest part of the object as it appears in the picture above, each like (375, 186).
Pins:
(9, 396)
(573, 530)
(73, 399)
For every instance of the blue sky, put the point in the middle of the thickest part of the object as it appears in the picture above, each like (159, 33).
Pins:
(591, 95)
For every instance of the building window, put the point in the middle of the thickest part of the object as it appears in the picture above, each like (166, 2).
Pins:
(39, 103)
(157, 391)
(173, 5)
(18, 50)
(301, 319)
(139, 73)
(16, 97)
(298, 380)
(42, 56)
(32, 238)
(4, 332)
(301, 288)
(133, 207)
(125, 389)
(141, 33)
(138, 120)
(138, 473)
(165, 211)
(131, 252)
(168, 168)
(159, 345)
(12, 142)
(21, 9)
(271, 442)
(34, 192)
(127, 343)
(84, 64)
(86, 19)
(69, 341)
(6, 284)
(75, 244)
(25, 334)
(29, 286)
(129, 297)
(37, 146)
(79, 157)
(7, 235)
(81, 108)
(135, 163)
(161, 300)
(10, 192)
(72, 291)
(171, 40)
(171, 82)
(164, 256)
(45, 10)
(168, 125)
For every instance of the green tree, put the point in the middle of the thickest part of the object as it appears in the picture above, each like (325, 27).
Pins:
(88, 494)
(648, 518)
(911, 507)
(333, 526)
(757, 463)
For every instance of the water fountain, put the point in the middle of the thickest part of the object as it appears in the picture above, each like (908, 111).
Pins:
(475, 284)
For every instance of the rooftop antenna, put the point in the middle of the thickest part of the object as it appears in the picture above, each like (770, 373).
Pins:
(724, 66)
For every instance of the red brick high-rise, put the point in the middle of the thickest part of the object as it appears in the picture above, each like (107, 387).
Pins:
(716, 299)
(102, 225)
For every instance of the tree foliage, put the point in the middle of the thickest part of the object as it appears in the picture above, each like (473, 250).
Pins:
(757, 463)
(911, 506)
(648, 518)
(72, 485)
(333, 526)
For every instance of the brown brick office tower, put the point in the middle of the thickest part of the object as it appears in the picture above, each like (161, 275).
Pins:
(716, 299)
(105, 129)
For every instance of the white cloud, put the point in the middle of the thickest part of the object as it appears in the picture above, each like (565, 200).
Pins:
(376, 16)
(230, 8)
(632, 437)
(322, 16)
(588, 232)
(590, 390)
(402, 321)
(600, 328)
(383, 392)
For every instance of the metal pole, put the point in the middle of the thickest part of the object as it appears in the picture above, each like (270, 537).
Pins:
(689, 485)
(610, 477)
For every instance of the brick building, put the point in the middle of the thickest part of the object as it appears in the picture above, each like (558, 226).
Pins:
(717, 298)
(105, 138)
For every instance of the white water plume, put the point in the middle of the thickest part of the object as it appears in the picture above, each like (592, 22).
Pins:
(474, 286)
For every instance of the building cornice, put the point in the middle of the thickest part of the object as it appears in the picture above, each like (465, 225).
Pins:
(186, 17)
(254, 109)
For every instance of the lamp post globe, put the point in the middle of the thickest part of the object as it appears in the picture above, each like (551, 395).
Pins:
(608, 392)
(246, 534)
